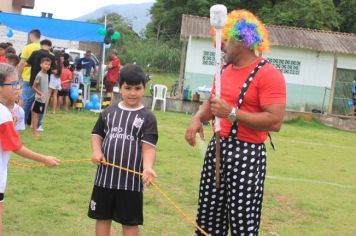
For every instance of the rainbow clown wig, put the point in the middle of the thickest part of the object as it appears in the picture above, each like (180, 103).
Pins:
(242, 25)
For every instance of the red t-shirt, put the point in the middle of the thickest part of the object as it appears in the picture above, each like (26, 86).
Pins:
(66, 78)
(113, 72)
(267, 87)
(2, 59)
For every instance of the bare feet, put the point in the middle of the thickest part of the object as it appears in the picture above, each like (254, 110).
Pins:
(36, 134)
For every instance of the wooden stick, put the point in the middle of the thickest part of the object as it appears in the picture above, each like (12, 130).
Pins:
(217, 159)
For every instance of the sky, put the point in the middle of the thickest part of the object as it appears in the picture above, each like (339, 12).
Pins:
(70, 9)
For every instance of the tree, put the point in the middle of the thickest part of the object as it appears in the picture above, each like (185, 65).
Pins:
(314, 14)
(346, 9)
(167, 14)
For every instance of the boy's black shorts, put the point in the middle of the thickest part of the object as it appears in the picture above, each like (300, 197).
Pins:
(63, 93)
(122, 206)
(2, 196)
(39, 107)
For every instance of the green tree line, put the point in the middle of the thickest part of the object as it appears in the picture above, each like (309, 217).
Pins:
(159, 44)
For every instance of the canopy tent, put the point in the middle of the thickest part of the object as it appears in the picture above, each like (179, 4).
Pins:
(54, 28)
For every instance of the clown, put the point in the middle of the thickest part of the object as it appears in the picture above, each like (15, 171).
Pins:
(252, 103)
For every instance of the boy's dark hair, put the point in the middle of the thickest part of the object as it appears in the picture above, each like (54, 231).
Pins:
(46, 59)
(132, 75)
(66, 63)
(4, 45)
(78, 66)
(46, 42)
(13, 58)
(36, 33)
(72, 67)
(11, 50)
(5, 71)
(66, 56)
(9, 44)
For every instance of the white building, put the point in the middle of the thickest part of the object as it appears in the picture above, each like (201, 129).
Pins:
(318, 66)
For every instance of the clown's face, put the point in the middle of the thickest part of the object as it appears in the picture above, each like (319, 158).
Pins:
(232, 50)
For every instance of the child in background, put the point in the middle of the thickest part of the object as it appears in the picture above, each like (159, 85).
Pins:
(17, 112)
(12, 59)
(54, 86)
(3, 47)
(125, 135)
(40, 86)
(10, 86)
(66, 78)
(55, 81)
(77, 80)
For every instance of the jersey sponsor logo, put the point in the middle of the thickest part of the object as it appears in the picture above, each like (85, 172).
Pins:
(117, 132)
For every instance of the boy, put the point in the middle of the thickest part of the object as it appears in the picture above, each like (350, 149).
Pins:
(12, 59)
(113, 73)
(77, 82)
(66, 78)
(10, 87)
(40, 86)
(3, 47)
(125, 135)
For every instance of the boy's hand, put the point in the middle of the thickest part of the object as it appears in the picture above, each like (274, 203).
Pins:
(42, 96)
(98, 157)
(148, 175)
(52, 161)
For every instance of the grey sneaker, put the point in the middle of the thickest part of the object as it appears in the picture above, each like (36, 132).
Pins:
(40, 129)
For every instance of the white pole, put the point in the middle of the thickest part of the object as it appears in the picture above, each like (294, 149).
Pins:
(102, 72)
(217, 73)
(218, 17)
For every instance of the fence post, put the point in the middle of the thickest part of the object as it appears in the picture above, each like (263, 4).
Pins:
(182, 67)
(332, 87)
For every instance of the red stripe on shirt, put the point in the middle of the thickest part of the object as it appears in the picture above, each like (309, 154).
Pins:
(10, 140)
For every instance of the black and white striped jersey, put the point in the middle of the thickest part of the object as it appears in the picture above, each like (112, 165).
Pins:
(123, 130)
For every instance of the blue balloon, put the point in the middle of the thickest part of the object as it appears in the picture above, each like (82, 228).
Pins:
(96, 106)
(350, 102)
(72, 90)
(9, 33)
(94, 98)
(89, 105)
(74, 96)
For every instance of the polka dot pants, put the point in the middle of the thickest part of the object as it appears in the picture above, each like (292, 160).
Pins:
(237, 203)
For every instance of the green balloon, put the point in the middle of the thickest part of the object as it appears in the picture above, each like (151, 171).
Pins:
(116, 36)
(102, 31)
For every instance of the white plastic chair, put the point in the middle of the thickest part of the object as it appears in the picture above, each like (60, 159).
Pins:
(159, 93)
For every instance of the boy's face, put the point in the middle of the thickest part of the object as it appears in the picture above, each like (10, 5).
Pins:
(2, 52)
(9, 92)
(132, 94)
(45, 65)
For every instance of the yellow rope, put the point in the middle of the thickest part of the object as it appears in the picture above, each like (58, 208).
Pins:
(163, 194)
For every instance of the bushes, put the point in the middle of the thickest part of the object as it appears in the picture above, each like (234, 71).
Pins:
(160, 56)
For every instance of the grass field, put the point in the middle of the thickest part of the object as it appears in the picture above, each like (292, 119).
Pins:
(167, 79)
(310, 187)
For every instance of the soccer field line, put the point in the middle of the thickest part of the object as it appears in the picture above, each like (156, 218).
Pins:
(318, 144)
(311, 181)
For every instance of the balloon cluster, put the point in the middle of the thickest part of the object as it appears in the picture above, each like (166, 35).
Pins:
(93, 103)
(109, 34)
